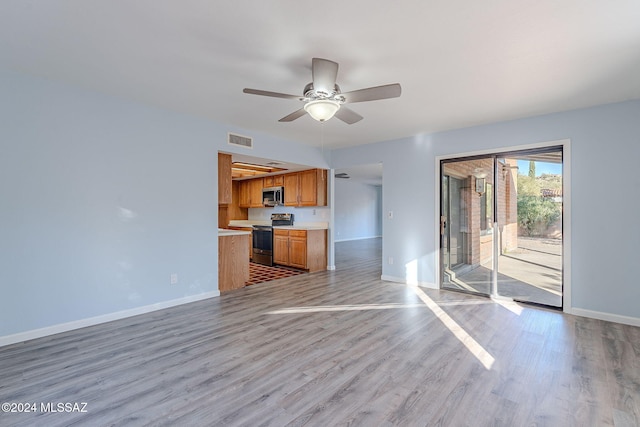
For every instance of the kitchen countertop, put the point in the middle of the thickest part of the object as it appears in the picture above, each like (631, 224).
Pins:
(295, 226)
(224, 232)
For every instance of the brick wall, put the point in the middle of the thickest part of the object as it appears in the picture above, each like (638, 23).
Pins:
(479, 248)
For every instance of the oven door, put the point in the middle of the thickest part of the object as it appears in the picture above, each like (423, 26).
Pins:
(263, 245)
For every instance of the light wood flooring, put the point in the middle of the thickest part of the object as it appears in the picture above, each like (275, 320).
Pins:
(333, 348)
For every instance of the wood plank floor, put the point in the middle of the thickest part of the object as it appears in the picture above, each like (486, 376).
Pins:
(333, 348)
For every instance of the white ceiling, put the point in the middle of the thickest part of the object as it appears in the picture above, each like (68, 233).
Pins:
(460, 63)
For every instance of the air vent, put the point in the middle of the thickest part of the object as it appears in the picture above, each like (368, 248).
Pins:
(239, 140)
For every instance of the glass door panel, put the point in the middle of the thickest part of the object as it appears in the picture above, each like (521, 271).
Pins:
(466, 225)
(529, 263)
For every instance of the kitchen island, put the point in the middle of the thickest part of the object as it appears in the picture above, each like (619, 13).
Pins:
(233, 263)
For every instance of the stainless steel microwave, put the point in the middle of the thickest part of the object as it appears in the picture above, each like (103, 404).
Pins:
(273, 196)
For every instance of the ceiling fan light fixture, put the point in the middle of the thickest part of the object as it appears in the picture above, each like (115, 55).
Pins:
(322, 109)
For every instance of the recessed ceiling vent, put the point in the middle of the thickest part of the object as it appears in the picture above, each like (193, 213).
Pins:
(239, 140)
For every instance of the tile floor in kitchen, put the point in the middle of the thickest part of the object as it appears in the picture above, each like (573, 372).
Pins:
(259, 273)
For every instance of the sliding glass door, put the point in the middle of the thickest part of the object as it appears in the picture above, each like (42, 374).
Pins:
(501, 225)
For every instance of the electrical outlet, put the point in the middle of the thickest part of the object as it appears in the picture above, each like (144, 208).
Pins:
(390, 215)
(390, 260)
(173, 279)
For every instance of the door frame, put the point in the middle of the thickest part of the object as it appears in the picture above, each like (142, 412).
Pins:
(566, 214)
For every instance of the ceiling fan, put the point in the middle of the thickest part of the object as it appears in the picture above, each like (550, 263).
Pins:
(323, 99)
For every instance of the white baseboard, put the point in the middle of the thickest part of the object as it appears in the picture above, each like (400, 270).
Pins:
(331, 267)
(82, 323)
(403, 280)
(617, 318)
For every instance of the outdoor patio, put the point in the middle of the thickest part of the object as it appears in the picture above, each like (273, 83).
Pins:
(530, 273)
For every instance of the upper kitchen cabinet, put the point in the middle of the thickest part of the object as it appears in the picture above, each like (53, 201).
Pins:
(273, 181)
(224, 179)
(306, 188)
(251, 193)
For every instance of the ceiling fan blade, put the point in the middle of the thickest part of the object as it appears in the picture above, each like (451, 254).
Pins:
(324, 74)
(295, 115)
(348, 116)
(373, 93)
(267, 93)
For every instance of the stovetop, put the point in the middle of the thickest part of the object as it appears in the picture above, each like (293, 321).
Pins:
(281, 219)
(277, 219)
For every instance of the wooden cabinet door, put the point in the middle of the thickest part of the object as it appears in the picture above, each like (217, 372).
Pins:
(281, 249)
(224, 179)
(308, 183)
(244, 194)
(273, 181)
(291, 189)
(321, 187)
(298, 252)
(255, 186)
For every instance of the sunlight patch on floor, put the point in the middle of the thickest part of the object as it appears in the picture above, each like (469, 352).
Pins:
(355, 307)
(463, 336)
(362, 307)
(512, 306)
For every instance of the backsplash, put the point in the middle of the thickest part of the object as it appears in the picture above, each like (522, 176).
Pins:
(310, 214)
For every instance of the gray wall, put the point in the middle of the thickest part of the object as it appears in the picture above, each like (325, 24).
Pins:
(102, 199)
(358, 210)
(605, 148)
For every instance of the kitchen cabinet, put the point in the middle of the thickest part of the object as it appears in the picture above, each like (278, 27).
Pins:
(224, 179)
(290, 247)
(256, 193)
(251, 193)
(244, 194)
(273, 181)
(305, 249)
(235, 212)
(306, 188)
(291, 189)
(280, 247)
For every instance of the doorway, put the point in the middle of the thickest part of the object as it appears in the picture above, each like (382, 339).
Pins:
(501, 225)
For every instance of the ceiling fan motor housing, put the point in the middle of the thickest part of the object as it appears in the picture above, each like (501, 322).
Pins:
(310, 94)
